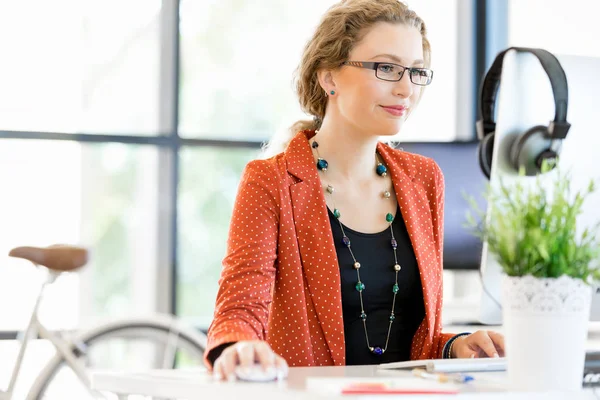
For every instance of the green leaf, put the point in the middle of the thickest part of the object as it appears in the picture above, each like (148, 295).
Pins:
(533, 228)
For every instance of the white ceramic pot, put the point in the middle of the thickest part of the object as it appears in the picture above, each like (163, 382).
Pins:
(545, 327)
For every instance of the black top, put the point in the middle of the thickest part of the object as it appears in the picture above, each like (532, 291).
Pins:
(376, 256)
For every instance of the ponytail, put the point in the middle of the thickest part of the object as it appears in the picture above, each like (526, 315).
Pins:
(280, 141)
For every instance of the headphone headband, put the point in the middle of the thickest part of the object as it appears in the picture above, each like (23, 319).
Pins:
(558, 128)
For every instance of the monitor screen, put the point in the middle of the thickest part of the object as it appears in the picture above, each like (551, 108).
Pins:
(459, 164)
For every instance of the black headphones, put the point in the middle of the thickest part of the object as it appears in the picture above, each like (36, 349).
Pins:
(534, 146)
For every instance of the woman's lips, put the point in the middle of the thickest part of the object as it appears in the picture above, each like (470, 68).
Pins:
(395, 110)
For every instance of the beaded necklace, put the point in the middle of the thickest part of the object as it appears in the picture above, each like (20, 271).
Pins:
(381, 170)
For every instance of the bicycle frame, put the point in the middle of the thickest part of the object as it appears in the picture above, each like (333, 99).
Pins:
(62, 346)
(74, 352)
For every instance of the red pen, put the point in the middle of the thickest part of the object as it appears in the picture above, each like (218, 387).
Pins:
(382, 388)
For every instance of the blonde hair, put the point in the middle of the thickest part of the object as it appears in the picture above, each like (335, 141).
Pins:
(340, 29)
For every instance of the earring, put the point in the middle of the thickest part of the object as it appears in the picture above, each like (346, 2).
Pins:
(332, 92)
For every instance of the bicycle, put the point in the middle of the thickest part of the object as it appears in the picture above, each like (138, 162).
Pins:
(175, 344)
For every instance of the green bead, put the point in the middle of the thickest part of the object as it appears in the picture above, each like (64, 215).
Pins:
(395, 289)
(363, 316)
(360, 286)
(389, 217)
(392, 317)
(336, 213)
(381, 169)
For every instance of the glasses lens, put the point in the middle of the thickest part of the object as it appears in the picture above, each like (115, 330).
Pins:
(421, 76)
(389, 72)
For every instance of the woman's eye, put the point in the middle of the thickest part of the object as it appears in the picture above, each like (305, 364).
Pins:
(386, 68)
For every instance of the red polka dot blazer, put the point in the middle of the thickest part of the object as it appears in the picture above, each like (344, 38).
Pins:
(280, 280)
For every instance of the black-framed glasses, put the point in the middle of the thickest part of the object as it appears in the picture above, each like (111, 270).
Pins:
(394, 72)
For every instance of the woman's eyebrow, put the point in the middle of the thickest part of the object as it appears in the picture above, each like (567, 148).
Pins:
(397, 59)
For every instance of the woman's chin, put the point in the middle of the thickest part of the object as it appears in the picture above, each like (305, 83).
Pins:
(391, 129)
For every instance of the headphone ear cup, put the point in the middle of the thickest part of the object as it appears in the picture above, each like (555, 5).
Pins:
(486, 150)
(548, 155)
(530, 149)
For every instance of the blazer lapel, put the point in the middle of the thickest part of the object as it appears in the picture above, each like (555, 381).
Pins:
(416, 212)
(317, 249)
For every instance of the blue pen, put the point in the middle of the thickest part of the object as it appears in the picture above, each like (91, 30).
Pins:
(440, 377)
(462, 378)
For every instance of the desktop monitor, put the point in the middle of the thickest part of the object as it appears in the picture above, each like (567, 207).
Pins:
(462, 175)
(525, 99)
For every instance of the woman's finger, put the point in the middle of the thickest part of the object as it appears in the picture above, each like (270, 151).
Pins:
(218, 371)
(245, 352)
(228, 360)
(463, 350)
(281, 365)
(498, 340)
(485, 343)
(265, 356)
(468, 353)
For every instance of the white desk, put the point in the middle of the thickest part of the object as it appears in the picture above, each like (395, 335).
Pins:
(198, 384)
(195, 385)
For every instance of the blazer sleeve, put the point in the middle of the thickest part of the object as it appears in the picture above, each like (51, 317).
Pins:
(438, 223)
(248, 274)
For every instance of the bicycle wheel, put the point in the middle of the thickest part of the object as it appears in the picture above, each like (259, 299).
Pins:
(128, 345)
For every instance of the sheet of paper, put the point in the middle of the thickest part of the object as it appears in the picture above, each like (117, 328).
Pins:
(452, 365)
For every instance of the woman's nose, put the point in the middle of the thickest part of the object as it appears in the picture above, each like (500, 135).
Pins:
(404, 87)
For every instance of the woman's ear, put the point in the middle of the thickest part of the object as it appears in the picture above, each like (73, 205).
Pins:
(326, 81)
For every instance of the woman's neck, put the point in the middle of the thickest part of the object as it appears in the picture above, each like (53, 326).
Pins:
(351, 154)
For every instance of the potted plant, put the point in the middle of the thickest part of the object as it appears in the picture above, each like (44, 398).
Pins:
(532, 230)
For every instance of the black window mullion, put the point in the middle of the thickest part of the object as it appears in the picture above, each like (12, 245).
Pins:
(491, 27)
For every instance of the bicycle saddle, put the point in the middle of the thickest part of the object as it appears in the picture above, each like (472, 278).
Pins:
(57, 257)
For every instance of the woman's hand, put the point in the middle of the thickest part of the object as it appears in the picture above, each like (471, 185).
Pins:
(478, 345)
(245, 354)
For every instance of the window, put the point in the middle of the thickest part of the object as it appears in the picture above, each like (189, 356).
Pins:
(80, 66)
(209, 182)
(555, 26)
(102, 196)
(237, 81)
(94, 149)
(441, 97)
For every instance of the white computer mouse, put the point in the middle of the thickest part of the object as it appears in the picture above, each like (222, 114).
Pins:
(256, 373)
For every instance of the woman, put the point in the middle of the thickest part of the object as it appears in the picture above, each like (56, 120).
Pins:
(335, 246)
